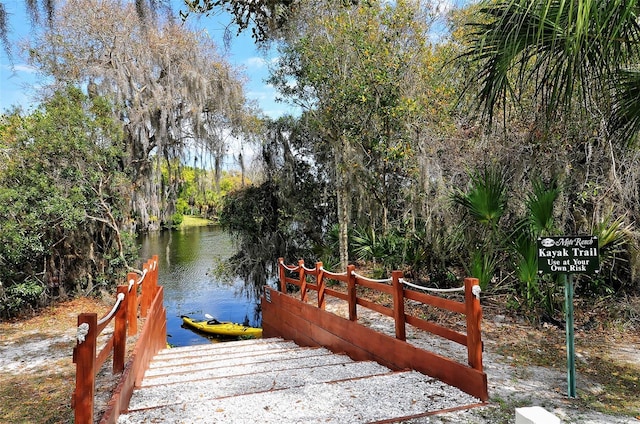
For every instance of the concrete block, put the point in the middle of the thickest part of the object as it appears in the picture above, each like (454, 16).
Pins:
(535, 415)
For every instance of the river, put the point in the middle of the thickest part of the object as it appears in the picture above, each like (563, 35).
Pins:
(186, 259)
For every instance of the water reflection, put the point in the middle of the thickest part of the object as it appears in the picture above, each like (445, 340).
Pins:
(187, 258)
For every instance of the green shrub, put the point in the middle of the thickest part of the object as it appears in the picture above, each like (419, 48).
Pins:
(176, 219)
(20, 297)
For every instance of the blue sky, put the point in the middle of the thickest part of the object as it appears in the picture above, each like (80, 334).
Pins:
(17, 79)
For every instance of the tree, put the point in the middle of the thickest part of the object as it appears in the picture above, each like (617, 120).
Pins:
(358, 72)
(271, 219)
(164, 82)
(572, 66)
(264, 17)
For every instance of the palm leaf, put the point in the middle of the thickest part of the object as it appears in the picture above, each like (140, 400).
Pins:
(486, 199)
(540, 206)
(626, 107)
(563, 47)
(482, 267)
(612, 234)
(363, 242)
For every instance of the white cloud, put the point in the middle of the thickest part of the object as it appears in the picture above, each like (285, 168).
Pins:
(14, 70)
(255, 62)
(24, 68)
(259, 95)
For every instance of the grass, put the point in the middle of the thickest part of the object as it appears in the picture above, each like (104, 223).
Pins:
(619, 382)
(42, 397)
(613, 382)
(194, 221)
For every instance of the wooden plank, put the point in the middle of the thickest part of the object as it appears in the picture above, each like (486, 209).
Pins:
(104, 353)
(474, 317)
(132, 303)
(119, 401)
(374, 285)
(398, 306)
(120, 332)
(335, 293)
(437, 329)
(322, 337)
(293, 281)
(384, 310)
(361, 337)
(352, 297)
(439, 302)
(285, 320)
(84, 356)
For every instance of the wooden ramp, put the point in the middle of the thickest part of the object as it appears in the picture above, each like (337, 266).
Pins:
(276, 381)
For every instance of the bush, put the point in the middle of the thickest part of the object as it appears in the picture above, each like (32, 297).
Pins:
(176, 220)
(61, 200)
(20, 297)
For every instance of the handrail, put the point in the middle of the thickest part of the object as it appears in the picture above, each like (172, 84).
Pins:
(470, 307)
(111, 314)
(125, 313)
(370, 280)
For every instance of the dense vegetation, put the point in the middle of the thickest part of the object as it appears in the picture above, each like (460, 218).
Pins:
(105, 159)
(441, 152)
(391, 164)
(63, 198)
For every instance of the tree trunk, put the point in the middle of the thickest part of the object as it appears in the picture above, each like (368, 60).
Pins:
(342, 194)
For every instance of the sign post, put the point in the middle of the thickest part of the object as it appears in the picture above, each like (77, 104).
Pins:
(571, 355)
(568, 255)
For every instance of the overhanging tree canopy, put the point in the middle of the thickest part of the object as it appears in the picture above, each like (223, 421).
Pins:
(168, 86)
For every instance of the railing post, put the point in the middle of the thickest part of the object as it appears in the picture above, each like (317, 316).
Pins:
(161, 333)
(302, 280)
(398, 305)
(84, 355)
(132, 303)
(351, 293)
(120, 331)
(281, 273)
(154, 268)
(474, 317)
(321, 286)
(147, 289)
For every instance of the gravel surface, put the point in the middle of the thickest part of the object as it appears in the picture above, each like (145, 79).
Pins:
(319, 387)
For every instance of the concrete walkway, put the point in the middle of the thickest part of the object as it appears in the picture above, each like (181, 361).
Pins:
(276, 381)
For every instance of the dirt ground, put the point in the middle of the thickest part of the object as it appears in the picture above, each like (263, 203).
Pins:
(525, 364)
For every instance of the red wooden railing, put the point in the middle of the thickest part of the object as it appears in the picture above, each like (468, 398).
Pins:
(149, 303)
(288, 319)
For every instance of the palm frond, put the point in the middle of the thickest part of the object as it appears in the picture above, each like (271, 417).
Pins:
(564, 48)
(626, 105)
(486, 199)
(613, 234)
(363, 243)
(482, 267)
(540, 206)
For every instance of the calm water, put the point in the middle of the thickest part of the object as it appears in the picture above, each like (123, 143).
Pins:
(187, 258)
